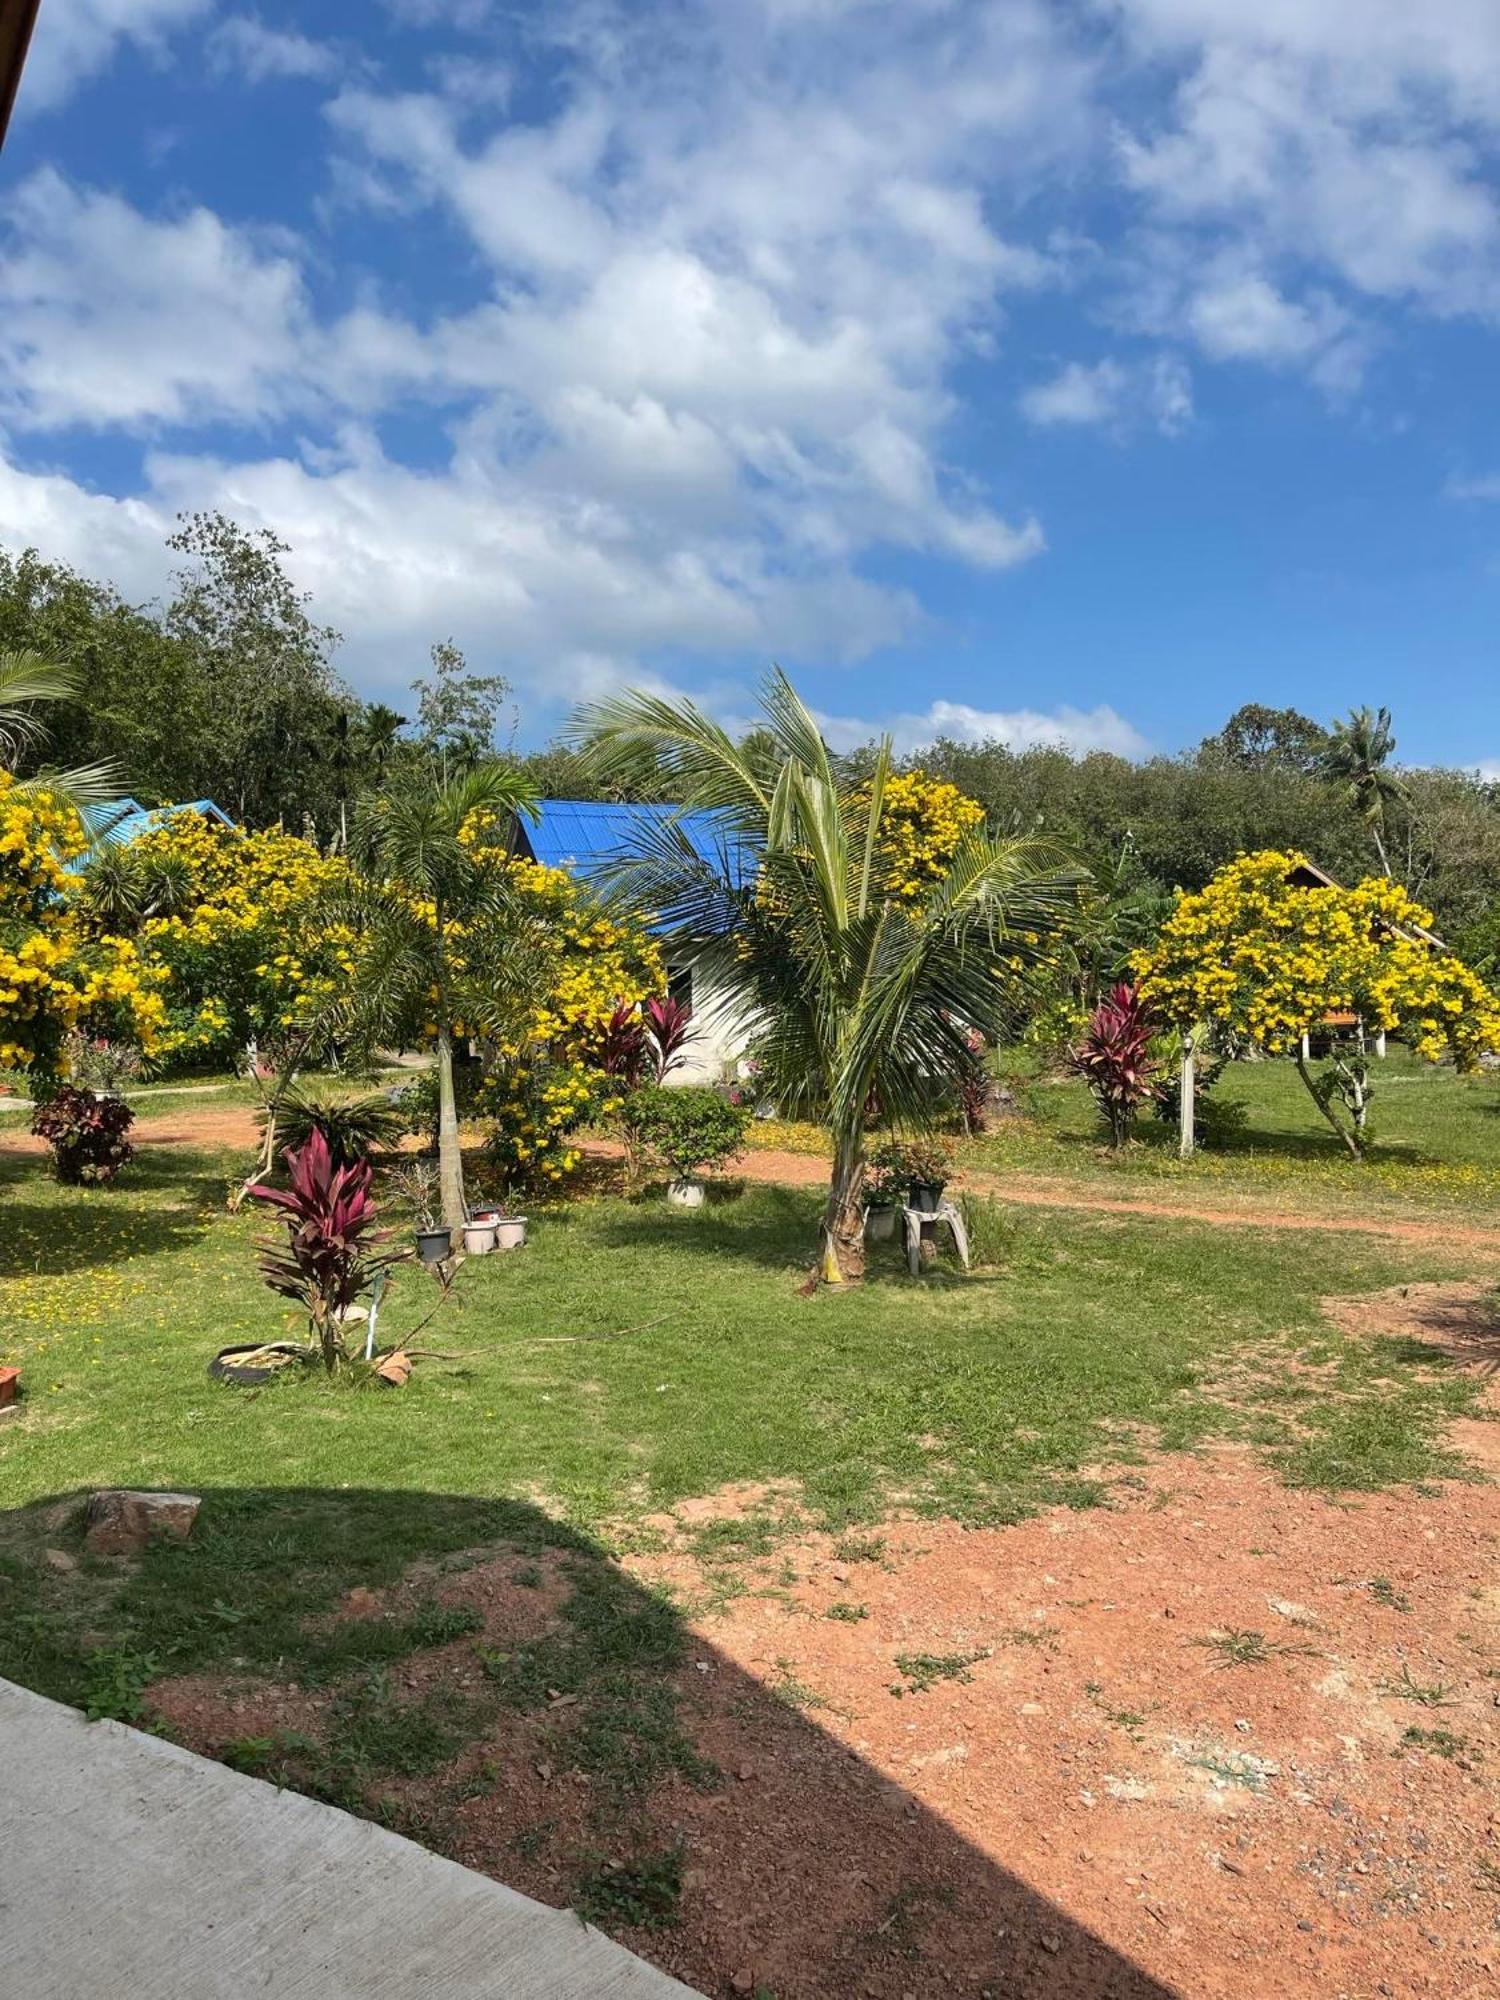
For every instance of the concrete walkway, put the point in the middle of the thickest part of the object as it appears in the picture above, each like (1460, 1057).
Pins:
(130, 1866)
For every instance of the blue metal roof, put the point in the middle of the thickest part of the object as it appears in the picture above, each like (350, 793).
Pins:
(585, 835)
(121, 821)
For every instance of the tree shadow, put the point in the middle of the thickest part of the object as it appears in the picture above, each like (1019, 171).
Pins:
(498, 1687)
(762, 1223)
(160, 1202)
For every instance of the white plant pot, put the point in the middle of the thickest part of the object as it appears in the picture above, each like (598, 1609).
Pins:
(479, 1238)
(880, 1224)
(686, 1194)
(510, 1232)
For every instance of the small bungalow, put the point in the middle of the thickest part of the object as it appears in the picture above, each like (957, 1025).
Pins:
(585, 836)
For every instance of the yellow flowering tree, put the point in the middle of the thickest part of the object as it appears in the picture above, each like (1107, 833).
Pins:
(1270, 959)
(242, 952)
(54, 974)
(922, 822)
(552, 1075)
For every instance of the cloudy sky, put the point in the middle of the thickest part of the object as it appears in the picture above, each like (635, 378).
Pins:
(1059, 369)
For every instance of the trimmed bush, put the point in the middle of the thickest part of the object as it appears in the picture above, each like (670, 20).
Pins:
(688, 1128)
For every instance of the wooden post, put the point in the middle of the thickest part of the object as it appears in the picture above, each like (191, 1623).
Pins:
(1380, 1045)
(1185, 1105)
(1306, 1046)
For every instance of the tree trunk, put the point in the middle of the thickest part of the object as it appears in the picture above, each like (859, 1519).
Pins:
(1385, 866)
(1351, 1142)
(1185, 1104)
(843, 1260)
(450, 1157)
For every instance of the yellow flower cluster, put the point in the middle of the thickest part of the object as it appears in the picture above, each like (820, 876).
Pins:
(243, 956)
(922, 821)
(1270, 959)
(39, 835)
(534, 1106)
(545, 1085)
(53, 977)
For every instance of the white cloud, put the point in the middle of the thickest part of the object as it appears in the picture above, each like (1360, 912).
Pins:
(1076, 730)
(243, 46)
(1481, 486)
(1325, 147)
(109, 318)
(1114, 395)
(75, 39)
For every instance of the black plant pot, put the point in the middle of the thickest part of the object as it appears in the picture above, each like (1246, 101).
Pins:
(925, 1196)
(433, 1245)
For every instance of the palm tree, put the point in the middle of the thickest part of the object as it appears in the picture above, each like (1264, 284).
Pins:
(865, 998)
(29, 683)
(439, 937)
(1355, 757)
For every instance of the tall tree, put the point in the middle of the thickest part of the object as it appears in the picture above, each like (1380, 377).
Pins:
(865, 994)
(458, 713)
(1356, 758)
(440, 940)
(266, 667)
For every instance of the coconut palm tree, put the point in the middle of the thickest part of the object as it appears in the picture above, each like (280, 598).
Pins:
(28, 684)
(1355, 757)
(865, 997)
(440, 939)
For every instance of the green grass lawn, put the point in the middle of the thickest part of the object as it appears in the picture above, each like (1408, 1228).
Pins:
(630, 1356)
(1437, 1141)
(633, 1354)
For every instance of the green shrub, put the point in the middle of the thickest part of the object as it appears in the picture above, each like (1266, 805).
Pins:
(353, 1127)
(687, 1128)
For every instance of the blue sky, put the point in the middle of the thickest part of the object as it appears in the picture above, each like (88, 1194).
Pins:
(1064, 371)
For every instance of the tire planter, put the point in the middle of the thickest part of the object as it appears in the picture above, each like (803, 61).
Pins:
(686, 1194)
(226, 1368)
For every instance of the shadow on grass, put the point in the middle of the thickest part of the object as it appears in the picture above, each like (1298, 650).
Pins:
(761, 1223)
(161, 1202)
(515, 1699)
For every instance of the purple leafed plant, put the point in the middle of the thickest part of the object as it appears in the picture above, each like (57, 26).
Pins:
(622, 1050)
(667, 1025)
(332, 1251)
(1114, 1058)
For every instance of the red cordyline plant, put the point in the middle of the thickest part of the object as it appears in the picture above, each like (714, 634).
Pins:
(621, 1050)
(86, 1133)
(1114, 1058)
(667, 1025)
(332, 1249)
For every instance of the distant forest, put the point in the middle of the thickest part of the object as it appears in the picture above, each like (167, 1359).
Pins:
(229, 691)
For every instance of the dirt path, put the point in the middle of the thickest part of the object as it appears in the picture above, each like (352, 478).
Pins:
(1042, 1191)
(235, 1125)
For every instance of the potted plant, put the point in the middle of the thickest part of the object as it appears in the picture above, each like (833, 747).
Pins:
(689, 1129)
(883, 1193)
(333, 1253)
(417, 1180)
(92, 1062)
(919, 1166)
(479, 1236)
